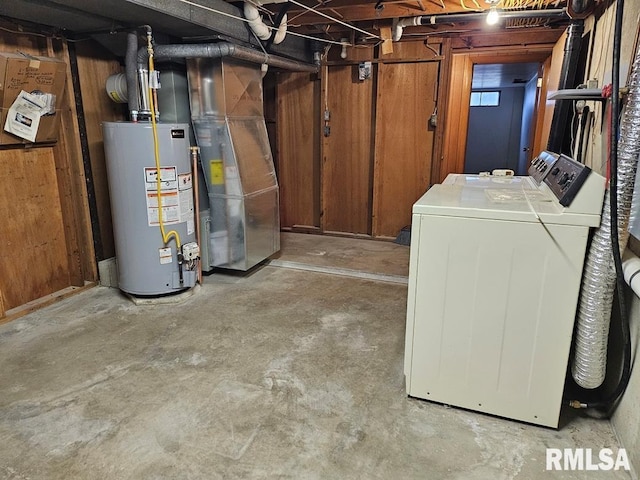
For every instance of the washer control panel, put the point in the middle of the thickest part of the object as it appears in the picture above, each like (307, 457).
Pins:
(542, 165)
(565, 178)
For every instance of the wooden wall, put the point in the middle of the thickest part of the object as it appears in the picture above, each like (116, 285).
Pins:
(375, 153)
(47, 243)
(407, 95)
(297, 152)
(347, 152)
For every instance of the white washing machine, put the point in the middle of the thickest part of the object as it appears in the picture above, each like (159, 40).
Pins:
(495, 271)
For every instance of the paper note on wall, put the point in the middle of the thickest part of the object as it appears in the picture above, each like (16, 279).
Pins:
(24, 115)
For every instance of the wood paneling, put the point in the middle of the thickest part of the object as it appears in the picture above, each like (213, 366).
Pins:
(347, 153)
(297, 150)
(414, 50)
(46, 245)
(455, 133)
(34, 251)
(359, 53)
(406, 99)
(94, 67)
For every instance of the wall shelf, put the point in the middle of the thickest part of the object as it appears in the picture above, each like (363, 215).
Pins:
(578, 94)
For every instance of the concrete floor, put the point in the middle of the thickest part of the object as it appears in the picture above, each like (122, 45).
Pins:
(284, 373)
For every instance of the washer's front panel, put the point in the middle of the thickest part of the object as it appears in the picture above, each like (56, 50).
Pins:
(493, 306)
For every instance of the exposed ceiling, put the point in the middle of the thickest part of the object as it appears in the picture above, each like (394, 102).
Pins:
(357, 20)
(371, 14)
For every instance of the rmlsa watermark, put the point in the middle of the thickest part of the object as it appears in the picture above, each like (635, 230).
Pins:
(587, 459)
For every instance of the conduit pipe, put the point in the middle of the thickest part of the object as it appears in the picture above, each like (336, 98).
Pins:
(599, 279)
(398, 27)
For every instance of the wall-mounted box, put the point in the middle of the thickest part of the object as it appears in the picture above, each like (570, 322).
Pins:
(32, 74)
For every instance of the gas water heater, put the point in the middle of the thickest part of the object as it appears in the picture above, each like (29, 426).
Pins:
(146, 264)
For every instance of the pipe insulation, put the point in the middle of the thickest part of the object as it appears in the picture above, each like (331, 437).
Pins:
(599, 279)
(131, 73)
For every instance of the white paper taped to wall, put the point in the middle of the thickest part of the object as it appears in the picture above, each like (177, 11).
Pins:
(24, 115)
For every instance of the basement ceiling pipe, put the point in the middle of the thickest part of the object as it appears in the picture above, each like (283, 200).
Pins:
(398, 27)
(262, 31)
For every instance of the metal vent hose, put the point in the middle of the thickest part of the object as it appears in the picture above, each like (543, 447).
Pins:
(599, 278)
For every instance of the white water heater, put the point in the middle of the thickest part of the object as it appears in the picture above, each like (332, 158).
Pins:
(146, 265)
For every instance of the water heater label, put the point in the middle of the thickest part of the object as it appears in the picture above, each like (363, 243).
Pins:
(165, 255)
(169, 194)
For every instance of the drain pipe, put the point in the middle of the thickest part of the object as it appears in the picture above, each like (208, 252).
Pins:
(562, 110)
(223, 49)
(398, 25)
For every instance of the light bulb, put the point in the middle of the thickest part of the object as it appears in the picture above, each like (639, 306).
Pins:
(343, 53)
(493, 16)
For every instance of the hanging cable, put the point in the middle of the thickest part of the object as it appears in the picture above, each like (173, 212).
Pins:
(166, 236)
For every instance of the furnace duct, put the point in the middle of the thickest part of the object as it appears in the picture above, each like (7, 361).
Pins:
(599, 279)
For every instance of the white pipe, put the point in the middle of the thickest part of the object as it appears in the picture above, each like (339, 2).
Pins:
(255, 21)
(398, 26)
(631, 269)
(282, 31)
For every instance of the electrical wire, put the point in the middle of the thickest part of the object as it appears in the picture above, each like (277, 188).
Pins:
(166, 236)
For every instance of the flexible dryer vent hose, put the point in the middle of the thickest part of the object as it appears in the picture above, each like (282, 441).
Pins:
(599, 279)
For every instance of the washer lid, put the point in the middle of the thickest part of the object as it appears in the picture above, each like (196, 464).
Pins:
(516, 203)
(490, 181)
